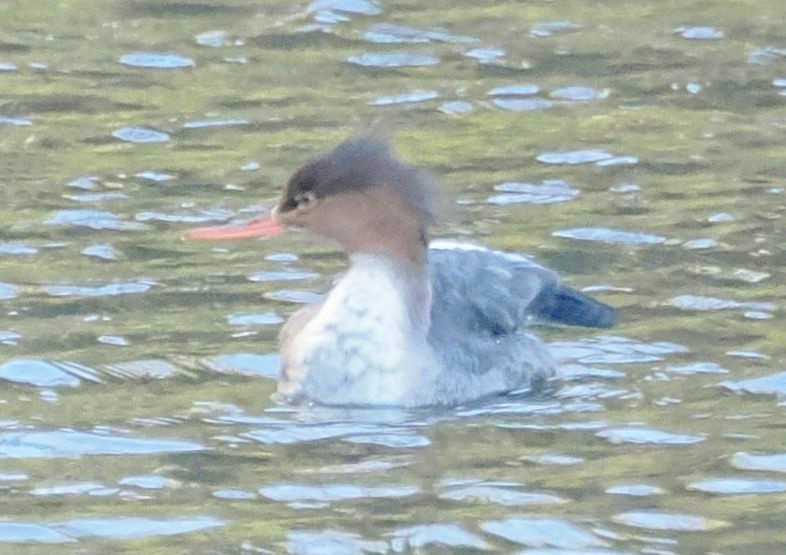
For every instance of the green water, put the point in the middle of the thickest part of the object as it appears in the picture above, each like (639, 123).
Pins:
(157, 348)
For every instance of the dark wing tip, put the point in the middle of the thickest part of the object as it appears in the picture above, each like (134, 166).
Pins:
(565, 305)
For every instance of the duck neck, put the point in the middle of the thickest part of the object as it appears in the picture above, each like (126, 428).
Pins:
(403, 280)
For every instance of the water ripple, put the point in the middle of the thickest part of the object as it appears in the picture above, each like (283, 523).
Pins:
(389, 33)
(436, 535)
(699, 33)
(548, 192)
(540, 532)
(696, 302)
(140, 135)
(93, 219)
(519, 89)
(16, 249)
(578, 93)
(551, 28)
(737, 486)
(522, 104)
(405, 98)
(611, 236)
(246, 364)
(508, 494)
(26, 532)
(43, 373)
(773, 384)
(156, 60)
(635, 490)
(70, 444)
(18, 122)
(364, 7)
(135, 527)
(485, 55)
(109, 290)
(656, 520)
(456, 107)
(333, 492)
(393, 59)
(331, 542)
(102, 251)
(7, 291)
(749, 461)
(642, 435)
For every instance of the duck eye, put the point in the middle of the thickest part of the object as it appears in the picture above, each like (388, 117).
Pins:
(302, 200)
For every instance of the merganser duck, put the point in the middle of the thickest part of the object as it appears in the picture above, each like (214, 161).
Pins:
(410, 323)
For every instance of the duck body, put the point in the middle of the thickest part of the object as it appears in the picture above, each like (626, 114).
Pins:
(365, 344)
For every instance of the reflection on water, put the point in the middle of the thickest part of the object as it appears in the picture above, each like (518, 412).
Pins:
(638, 151)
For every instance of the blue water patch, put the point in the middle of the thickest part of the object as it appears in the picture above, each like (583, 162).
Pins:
(551, 28)
(611, 236)
(548, 192)
(439, 536)
(125, 528)
(485, 55)
(7, 291)
(198, 217)
(30, 533)
(540, 532)
(254, 319)
(213, 39)
(405, 98)
(140, 135)
(697, 368)
(506, 494)
(574, 157)
(294, 296)
(331, 542)
(737, 486)
(151, 175)
(773, 462)
(578, 93)
(389, 33)
(39, 373)
(97, 197)
(456, 107)
(519, 89)
(393, 59)
(69, 444)
(109, 290)
(635, 490)
(363, 7)
(102, 251)
(199, 124)
(16, 249)
(93, 219)
(290, 274)
(149, 481)
(697, 302)
(156, 60)
(523, 104)
(246, 364)
(18, 122)
(333, 492)
(656, 520)
(773, 384)
(642, 435)
(699, 33)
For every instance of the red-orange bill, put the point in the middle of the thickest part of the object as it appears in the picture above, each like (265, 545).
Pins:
(258, 227)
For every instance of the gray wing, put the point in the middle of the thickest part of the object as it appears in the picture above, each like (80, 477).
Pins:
(491, 292)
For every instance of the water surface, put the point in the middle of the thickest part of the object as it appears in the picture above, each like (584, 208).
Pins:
(637, 148)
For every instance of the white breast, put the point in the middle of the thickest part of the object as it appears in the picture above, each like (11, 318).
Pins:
(360, 346)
